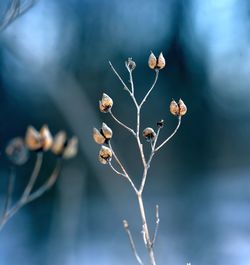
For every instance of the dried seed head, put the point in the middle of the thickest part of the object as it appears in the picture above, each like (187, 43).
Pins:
(152, 61)
(17, 152)
(106, 103)
(105, 155)
(59, 143)
(160, 123)
(106, 131)
(130, 64)
(125, 224)
(174, 108)
(33, 139)
(98, 137)
(47, 138)
(149, 134)
(161, 61)
(71, 148)
(182, 107)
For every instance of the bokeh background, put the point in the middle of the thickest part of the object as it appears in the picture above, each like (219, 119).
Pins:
(54, 69)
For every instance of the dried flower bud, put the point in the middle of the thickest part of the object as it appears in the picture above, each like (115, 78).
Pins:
(17, 151)
(125, 224)
(160, 123)
(59, 143)
(182, 107)
(71, 148)
(46, 138)
(98, 137)
(152, 61)
(130, 64)
(106, 131)
(174, 108)
(33, 139)
(106, 103)
(149, 134)
(161, 61)
(105, 155)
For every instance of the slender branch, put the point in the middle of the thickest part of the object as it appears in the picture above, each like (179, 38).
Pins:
(9, 191)
(157, 221)
(123, 169)
(131, 82)
(132, 244)
(48, 184)
(122, 124)
(116, 171)
(174, 132)
(33, 177)
(152, 87)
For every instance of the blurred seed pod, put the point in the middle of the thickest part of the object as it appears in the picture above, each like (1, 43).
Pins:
(106, 103)
(182, 107)
(47, 138)
(152, 61)
(33, 139)
(174, 108)
(106, 131)
(160, 123)
(98, 137)
(130, 64)
(161, 61)
(17, 152)
(149, 134)
(105, 155)
(59, 143)
(71, 148)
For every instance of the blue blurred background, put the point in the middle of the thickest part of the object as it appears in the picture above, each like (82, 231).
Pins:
(54, 69)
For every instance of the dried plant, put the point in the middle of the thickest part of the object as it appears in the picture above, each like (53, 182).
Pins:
(104, 135)
(15, 9)
(18, 151)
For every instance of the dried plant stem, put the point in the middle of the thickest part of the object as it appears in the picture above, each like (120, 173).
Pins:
(157, 221)
(9, 191)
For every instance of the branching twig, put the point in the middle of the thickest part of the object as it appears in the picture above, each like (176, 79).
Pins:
(131, 241)
(157, 221)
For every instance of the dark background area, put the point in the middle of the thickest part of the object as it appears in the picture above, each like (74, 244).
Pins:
(54, 69)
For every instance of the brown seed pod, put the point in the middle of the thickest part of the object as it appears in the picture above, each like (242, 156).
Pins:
(59, 143)
(149, 134)
(130, 64)
(182, 107)
(71, 148)
(161, 61)
(47, 138)
(98, 137)
(106, 103)
(152, 61)
(174, 108)
(105, 155)
(33, 139)
(106, 131)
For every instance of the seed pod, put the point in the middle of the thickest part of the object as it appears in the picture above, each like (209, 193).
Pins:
(182, 107)
(152, 61)
(106, 131)
(130, 64)
(160, 123)
(33, 139)
(149, 134)
(71, 148)
(161, 61)
(46, 138)
(98, 137)
(105, 155)
(106, 103)
(59, 143)
(174, 108)
(17, 152)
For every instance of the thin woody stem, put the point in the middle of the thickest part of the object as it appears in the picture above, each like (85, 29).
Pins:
(132, 244)
(174, 132)
(152, 87)
(122, 124)
(116, 171)
(123, 169)
(157, 221)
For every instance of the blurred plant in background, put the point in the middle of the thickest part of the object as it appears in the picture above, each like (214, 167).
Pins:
(104, 135)
(18, 152)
